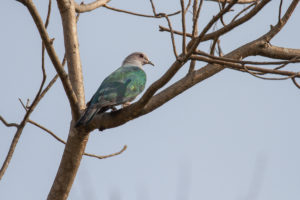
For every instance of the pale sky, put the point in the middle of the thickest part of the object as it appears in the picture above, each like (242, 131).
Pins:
(231, 137)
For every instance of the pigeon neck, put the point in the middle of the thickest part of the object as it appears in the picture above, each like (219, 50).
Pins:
(132, 63)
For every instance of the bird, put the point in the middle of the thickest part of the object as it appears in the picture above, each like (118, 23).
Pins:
(120, 88)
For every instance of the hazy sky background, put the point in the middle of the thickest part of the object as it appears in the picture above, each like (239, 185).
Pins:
(231, 137)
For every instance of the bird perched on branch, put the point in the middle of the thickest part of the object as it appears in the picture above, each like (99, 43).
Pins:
(120, 87)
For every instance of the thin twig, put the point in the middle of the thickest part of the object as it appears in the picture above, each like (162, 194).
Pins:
(27, 103)
(172, 36)
(295, 82)
(213, 46)
(23, 105)
(239, 1)
(196, 17)
(195, 42)
(242, 11)
(188, 6)
(267, 78)
(241, 67)
(279, 67)
(220, 52)
(46, 130)
(153, 8)
(279, 12)
(48, 14)
(107, 156)
(196, 14)
(202, 53)
(183, 27)
(8, 124)
(91, 6)
(159, 15)
(221, 7)
(63, 142)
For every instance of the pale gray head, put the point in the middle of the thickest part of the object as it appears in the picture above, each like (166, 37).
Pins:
(137, 59)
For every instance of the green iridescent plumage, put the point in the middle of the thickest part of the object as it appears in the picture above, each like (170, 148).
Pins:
(120, 87)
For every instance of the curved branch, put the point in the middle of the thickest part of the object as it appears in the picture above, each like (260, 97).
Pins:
(52, 54)
(159, 15)
(295, 82)
(107, 156)
(245, 67)
(91, 6)
(8, 124)
(273, 72)
(63, 142)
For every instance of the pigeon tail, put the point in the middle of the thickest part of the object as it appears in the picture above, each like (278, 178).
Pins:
(87, 116)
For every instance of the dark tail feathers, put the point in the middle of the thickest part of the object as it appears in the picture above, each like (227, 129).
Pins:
(87, 116)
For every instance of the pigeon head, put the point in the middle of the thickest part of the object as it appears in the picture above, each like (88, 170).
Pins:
(137, 59)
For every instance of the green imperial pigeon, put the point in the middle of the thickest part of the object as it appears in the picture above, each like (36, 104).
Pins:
(120, 87)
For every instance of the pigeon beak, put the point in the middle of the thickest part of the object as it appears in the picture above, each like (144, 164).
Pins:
(150, 63)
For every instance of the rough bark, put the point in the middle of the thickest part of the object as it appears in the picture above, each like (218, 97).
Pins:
(77, 140)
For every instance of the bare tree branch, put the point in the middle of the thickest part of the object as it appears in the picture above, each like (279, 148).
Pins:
(91, 6)
(63, 142)
(107, 156)
(280, 9)
(52, 54)
(8, 124)
(275, 29)
(69, 22)
(244, 10)
(183, 27)
(276, 52)
(196, 14)
(159, 15)
(77, 139)
(287, 58)
(239, 1)
(153, 8)
(245, 67)
(46, 130)
(229, 27)
(268, 78)
(172, 36)
(295, 82)
(30, 109)
(194, 43)
(12, 148)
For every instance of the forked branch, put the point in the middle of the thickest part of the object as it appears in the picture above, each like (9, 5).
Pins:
(52, 54)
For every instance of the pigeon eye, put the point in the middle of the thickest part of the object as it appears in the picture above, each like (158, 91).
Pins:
(141, 56)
